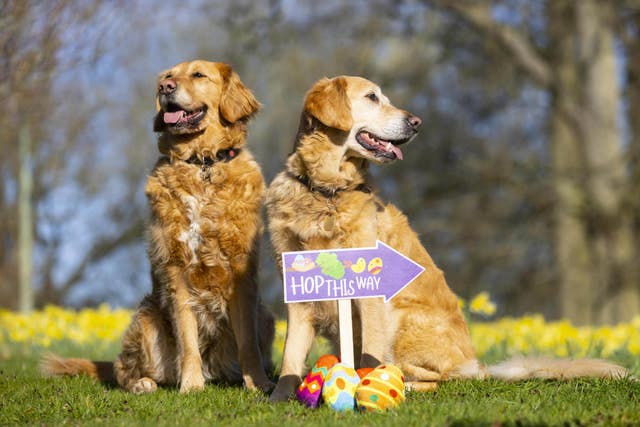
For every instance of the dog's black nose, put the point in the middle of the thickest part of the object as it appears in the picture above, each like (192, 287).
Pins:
(414, 121)
(167, 86)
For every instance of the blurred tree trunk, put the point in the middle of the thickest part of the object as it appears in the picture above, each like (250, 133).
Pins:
(25, 221)
(614, 244)
(571, 241)
(593, 238)
(631, 21)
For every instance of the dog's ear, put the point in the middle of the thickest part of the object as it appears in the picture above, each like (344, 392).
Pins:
(327, 101)
(236, 102)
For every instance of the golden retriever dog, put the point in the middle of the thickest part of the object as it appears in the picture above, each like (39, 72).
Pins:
(322, 201)
(203, 320)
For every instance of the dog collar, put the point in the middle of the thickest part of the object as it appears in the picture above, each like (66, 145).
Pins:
(324, 191)
(208, 161)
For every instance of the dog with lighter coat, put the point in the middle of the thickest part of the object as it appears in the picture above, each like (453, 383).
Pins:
(322, 200)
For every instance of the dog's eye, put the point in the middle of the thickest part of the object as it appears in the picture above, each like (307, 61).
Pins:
(197, 75)
(372, 96)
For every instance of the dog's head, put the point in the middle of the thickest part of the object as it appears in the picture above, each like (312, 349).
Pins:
(192, 96)
(373, 127)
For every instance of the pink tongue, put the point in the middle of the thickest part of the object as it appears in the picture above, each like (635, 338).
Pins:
(396, 151)
(173, 117)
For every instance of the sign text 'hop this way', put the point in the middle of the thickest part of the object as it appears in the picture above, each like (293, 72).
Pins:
(337, 274)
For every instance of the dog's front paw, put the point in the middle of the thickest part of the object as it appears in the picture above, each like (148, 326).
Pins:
(194, 382)
(278, 396)
(144, 385)
(285, 388)
(262, 384)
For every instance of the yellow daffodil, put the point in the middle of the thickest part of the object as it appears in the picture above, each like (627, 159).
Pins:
(482, 304)
(524, 335)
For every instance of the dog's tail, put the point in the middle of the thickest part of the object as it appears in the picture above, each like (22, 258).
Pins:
(521, 368)
(52, 365)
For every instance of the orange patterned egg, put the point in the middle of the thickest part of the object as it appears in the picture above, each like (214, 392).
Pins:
(381, 389)
(310, 391)
(327, 361)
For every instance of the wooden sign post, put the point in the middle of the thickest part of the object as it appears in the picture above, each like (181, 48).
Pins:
(346, 332)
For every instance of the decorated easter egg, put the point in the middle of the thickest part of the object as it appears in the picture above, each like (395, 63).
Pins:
(381, 389)
(327, 361)
(340, 387)
(310, 391)
(359, 266)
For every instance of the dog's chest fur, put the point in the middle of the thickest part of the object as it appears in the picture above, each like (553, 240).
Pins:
(349, 219)
(201, 224)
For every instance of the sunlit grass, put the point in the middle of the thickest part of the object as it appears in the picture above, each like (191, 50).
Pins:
(28, 398)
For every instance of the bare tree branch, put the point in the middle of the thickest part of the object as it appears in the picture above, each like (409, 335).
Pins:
(100, 250)
(525, 54)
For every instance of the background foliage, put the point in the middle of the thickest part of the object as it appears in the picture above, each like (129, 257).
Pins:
(523, 181)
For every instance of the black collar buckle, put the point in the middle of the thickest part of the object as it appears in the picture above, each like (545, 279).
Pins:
(328, 193)
(206, 162)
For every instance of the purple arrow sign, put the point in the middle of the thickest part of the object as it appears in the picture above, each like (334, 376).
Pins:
(332, 274)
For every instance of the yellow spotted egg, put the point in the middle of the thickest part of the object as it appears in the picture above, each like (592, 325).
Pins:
(381, 389)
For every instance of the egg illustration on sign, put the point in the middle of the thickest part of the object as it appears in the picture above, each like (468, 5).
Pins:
(359, 265)
(339, 387)
(302, 264)
(375, 265)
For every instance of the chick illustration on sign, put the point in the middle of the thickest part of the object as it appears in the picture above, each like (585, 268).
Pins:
(359, 266)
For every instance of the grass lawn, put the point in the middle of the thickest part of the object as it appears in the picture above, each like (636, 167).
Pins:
(26, 398)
